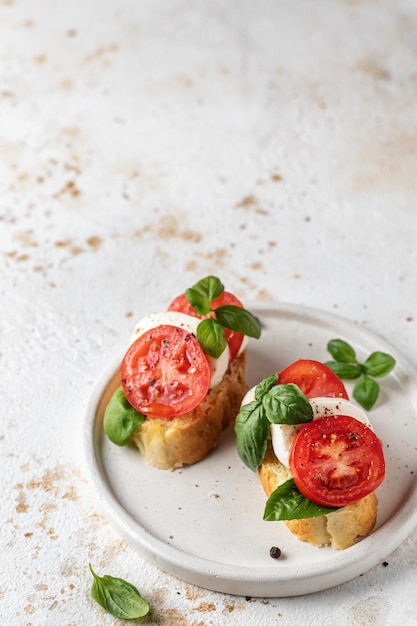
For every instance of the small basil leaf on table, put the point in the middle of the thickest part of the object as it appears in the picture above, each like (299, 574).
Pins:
(118, 597)
(120, 418)
(252, 431)
(287, 503)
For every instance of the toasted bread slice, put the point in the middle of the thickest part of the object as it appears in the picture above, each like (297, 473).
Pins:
(340, 529)
(186, 439)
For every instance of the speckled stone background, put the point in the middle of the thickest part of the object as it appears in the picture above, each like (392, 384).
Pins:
(144, 145)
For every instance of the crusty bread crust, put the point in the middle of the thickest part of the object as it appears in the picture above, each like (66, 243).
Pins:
(184, 440)
(341, 529)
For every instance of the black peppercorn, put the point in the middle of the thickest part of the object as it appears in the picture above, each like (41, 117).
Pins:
(275, 552)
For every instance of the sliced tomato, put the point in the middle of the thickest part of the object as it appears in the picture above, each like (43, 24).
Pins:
(181, 304)
(314, 379)
(234, 339)
(336, 460)
(165, 372)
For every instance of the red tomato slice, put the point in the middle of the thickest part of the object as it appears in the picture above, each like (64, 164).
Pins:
(181, 304)
(165, 372)
(336, 460)
(314, 379)
(234, 339)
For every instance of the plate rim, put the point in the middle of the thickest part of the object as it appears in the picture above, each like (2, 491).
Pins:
(227, 578)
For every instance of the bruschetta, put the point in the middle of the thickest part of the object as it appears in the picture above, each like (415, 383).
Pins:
(182, 378)
(317, 456)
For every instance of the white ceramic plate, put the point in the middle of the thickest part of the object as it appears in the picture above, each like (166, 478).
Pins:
(203, 524)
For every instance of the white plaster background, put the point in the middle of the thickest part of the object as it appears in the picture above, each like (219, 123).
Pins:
(144, 145)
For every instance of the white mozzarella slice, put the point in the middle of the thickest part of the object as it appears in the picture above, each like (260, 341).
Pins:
(283, 435)
(189, 323)
(249, 396)
(338, 406)
(169, 318)
(244, 344)
(219, 367)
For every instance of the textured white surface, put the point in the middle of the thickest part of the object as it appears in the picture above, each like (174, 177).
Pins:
(144, 145)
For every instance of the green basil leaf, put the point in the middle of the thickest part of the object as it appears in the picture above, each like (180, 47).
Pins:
(286, 404)
(379, 364)
(366, 392)
(341, 351)
(211, 337)
(346, 366)
(252, 431)
(238, 319)
(203, 293)
(200, 304)
(265, 385)
(118, 597)
(287, 503)
(347, 371)
(120, 418)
